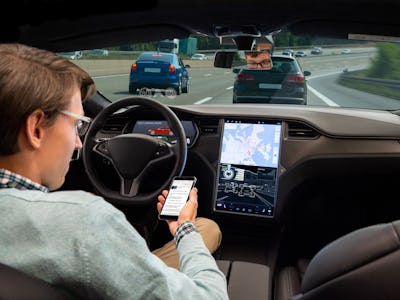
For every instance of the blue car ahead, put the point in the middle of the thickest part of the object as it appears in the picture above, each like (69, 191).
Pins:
(158, 71)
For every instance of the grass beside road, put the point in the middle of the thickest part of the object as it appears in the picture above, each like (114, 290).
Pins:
(369, 87)
(383, 75)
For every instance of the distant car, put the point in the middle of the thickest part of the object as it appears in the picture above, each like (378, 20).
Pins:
(71, 55)
(156, 70)
(316, 50)
(99, 52)
(284, 83)
(289, 52)
(198, 56)
(345, 51)
(300, 54)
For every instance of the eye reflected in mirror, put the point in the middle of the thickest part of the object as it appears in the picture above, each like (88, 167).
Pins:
(260, 60)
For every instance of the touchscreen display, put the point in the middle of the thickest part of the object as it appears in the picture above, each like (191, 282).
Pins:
(248, 167)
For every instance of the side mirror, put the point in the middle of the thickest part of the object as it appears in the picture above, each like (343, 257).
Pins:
(306, 73)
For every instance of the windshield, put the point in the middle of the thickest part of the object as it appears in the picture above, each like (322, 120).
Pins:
(305, 71)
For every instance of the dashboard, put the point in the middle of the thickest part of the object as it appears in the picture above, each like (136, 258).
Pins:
(258, 162)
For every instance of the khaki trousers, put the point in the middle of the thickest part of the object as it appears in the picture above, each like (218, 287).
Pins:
(209, 231)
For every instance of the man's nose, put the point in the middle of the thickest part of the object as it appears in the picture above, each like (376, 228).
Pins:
(78, 142)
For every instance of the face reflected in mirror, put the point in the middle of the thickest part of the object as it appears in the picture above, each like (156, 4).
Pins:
(260, 58)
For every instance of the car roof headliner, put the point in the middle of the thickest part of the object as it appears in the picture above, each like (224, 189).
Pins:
(59, 25)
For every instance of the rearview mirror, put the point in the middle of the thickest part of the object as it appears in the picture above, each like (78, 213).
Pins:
(260, 59)
(224, 59)
(256, 50)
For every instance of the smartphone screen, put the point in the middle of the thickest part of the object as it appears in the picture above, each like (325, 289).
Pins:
(177, 196)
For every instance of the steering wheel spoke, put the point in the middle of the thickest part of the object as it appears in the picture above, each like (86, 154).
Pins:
(165, 151)
(101, 148)
(130, 187)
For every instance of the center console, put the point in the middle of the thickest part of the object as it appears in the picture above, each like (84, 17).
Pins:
(246, 280)
(246, 187)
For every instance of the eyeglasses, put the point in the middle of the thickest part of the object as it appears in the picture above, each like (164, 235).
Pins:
(83, 122)
(264, 64)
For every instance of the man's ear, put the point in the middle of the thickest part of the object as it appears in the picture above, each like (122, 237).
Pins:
(34, 128)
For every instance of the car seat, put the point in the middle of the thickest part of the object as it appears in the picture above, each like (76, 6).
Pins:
(16, 285)
(364, 264)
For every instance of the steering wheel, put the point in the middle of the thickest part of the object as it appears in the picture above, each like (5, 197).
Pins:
(133, 155)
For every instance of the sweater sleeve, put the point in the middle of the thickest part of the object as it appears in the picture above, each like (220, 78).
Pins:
(117, 264)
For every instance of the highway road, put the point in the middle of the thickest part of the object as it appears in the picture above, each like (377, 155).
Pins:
(214, 85)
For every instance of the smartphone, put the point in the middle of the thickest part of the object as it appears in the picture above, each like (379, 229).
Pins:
(178, 194)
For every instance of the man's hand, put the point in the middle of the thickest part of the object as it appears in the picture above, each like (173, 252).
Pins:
(188, 212)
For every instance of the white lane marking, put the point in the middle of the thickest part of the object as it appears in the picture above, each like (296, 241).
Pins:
(322, 97)
(207, 75)
(318, 94)
(203, 100)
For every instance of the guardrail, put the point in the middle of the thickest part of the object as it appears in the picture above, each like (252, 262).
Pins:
(384, 87)
(376, 81)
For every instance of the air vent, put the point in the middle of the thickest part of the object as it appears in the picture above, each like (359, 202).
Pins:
(301, 130)
(115, 124)
(208, 126)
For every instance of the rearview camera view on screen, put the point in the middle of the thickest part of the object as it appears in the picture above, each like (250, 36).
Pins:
(248, 168)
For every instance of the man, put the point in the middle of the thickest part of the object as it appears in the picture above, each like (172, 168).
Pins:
(260, 57)
(73, 239)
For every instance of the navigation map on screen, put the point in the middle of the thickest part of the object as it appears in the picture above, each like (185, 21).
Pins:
(247, 174)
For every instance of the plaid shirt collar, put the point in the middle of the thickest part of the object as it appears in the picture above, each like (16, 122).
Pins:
(9, 179)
